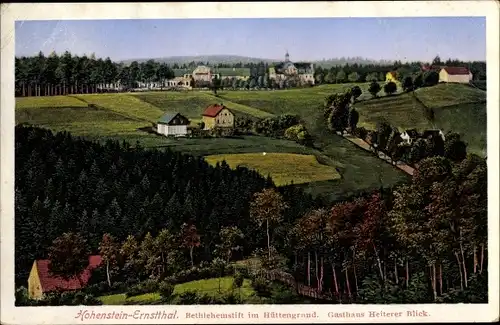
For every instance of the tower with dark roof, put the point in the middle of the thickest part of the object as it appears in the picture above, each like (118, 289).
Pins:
(287, 57)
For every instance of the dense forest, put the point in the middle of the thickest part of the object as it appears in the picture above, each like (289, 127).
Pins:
(421, 242)
(42, 75)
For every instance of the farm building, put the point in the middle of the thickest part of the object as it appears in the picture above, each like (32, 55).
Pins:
(217, 115)
(41, 281)
(173, 124)
(391, 76)
(455, 74)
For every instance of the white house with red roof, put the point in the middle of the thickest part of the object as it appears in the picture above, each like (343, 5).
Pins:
(41, 281)
(455, 74)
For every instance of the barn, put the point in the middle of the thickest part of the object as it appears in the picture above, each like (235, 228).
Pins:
(455, 74)
(173, 124)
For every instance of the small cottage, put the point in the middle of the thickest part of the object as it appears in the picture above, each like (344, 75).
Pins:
(173, 124)
(217, 115)
(455, 74)
(41, 281)
(391, 77)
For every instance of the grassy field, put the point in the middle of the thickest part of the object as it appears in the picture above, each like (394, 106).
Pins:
(48, 102)
(124, 104)
(403, 111)
(192, 104)
(284, 168)
(208, 286)
(446, 94)
(458, 108)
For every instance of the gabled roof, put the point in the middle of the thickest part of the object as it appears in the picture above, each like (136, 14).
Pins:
(168, 117)
(213, 110)
(456, 70)
(50, 282)
(393, 73)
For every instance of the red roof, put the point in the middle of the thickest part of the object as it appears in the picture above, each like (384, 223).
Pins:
(213, 110)
(456, 70)
(49, 282)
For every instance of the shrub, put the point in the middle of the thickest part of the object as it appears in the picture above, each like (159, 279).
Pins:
(189, 298)
(261, 286)
(238, 280)
(142, 288)
(166, 290)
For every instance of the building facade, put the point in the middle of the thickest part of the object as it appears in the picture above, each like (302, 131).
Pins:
(217, 115)
(304, 71)
(173, 124)
(455, 74)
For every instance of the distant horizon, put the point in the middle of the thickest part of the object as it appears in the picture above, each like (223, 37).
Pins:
(306, 39)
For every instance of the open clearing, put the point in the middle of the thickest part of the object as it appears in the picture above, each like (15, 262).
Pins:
(284, 168)
(208, 286)
(445, 94)
(124, 104)
(192, 104)
(48, 102)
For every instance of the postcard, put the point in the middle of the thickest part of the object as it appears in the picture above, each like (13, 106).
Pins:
(232, 163)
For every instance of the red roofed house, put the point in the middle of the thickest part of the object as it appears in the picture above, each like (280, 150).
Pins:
(455, 74)
(41, 281)
(217, 115)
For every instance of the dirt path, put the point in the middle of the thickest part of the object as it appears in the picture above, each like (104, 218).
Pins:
(362, 144)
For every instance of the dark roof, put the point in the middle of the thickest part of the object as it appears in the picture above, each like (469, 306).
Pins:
(456, 70)
(168, 117)
(50, 282)
(182, 72)
(233, 72)
(213, 110)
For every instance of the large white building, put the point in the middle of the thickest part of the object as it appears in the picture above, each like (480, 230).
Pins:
(288, 69)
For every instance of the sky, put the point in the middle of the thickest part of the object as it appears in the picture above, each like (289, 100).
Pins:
(405, 39)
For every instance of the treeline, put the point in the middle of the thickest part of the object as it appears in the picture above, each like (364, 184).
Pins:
(69, 184)
(424, 242)
(371, 72)
(64, 74)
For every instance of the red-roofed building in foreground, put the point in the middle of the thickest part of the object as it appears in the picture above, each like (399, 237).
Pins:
(41, 280)
(455, 74)
(217, 115)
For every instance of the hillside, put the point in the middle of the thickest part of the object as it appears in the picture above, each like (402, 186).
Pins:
(458, 108)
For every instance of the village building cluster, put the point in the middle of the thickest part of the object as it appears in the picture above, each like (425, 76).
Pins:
(214, 116)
